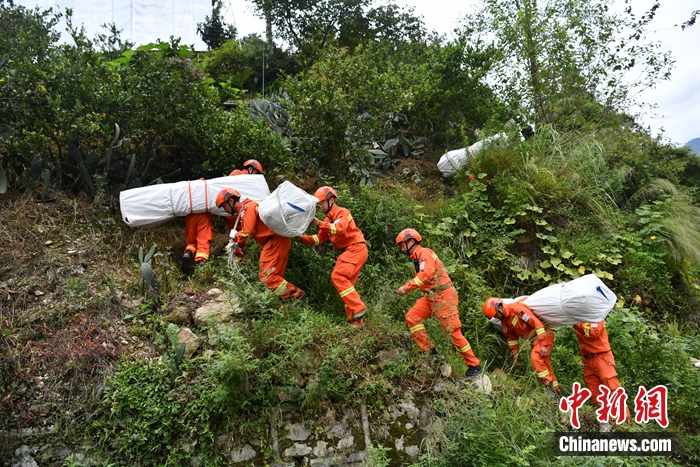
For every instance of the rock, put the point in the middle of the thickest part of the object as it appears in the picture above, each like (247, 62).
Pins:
(243, 454)
(346, 443)
(179, 315)
(412, 451)
(297, 432)
(481, 383)
(214, 292)
(23, 457)
(190, 339)
(321, 449)
(387, 357)
(446, 370)
(499, 374)
(297, 450)
(219, 310)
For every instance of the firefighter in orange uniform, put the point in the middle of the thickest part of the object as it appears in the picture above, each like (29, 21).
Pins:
(339, 227)
(598, 360)
(199, 227)
(440, 299)
(250, 167)
(519, 321)
(275, 251)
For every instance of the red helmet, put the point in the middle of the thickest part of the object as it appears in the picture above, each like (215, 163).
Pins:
(491, 305)
(225, 194)
(325, 192)
(254, 164)
(407, 234)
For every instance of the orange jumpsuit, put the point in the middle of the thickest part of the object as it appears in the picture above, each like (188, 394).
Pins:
(520, 321)
(339, 227)
(275, 251)
(198, 234)
(441, 299)
(231, 220)
(598, 361)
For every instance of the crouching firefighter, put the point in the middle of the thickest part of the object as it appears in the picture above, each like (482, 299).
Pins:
(520, 322)
(275, 248)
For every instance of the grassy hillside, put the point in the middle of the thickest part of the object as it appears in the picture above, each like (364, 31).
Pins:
(90, 364)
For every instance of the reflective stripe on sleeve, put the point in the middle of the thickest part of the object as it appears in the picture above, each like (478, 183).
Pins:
(317, 242)
(416, 328)
(539, 331)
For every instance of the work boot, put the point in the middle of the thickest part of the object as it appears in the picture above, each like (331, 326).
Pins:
(200, 264)
(552, 393)
(358, 318)
(187, 262)
(297, 297)
(473, 371)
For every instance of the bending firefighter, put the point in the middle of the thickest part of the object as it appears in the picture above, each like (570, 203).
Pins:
(199, 227)
(441, 299)
(275, 248)
(598, 360)
(339, 227)
(519, 321)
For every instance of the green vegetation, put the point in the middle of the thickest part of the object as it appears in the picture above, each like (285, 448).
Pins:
(88, 307)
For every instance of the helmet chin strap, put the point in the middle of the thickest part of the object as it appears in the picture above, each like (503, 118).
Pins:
(330, 204)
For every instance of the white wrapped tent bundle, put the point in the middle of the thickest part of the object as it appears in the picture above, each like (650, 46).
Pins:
(452, 161)
(288, 210)
(153, 205)
(584, 299)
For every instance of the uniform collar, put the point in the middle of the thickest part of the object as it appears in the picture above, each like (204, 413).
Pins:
(416, 252)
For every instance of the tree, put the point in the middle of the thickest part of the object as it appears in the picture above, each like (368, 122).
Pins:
(571, 59)
(214, 31)
(311, 25)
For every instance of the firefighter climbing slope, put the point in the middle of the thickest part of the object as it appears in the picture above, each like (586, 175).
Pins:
(340, 228)
(520, 322)
(275, 248)
(441, 299)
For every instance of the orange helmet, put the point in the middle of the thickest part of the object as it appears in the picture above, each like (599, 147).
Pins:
(407, 234)
(225, 194)
(325, 192)
(254, 164)
(491, 305)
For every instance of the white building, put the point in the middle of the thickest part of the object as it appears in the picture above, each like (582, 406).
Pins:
(140, 21)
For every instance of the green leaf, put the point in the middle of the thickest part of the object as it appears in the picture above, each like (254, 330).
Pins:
(566, 254)
(172, 331)
(545, 264)
(3, 181)
(149, 255)
(509, 221)
(549, 250)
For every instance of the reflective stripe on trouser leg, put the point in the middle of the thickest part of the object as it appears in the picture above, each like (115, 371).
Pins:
(273, 263)
(344, 277)
(199, 233)
(543, 365)
(414, 319)
(445, 306)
